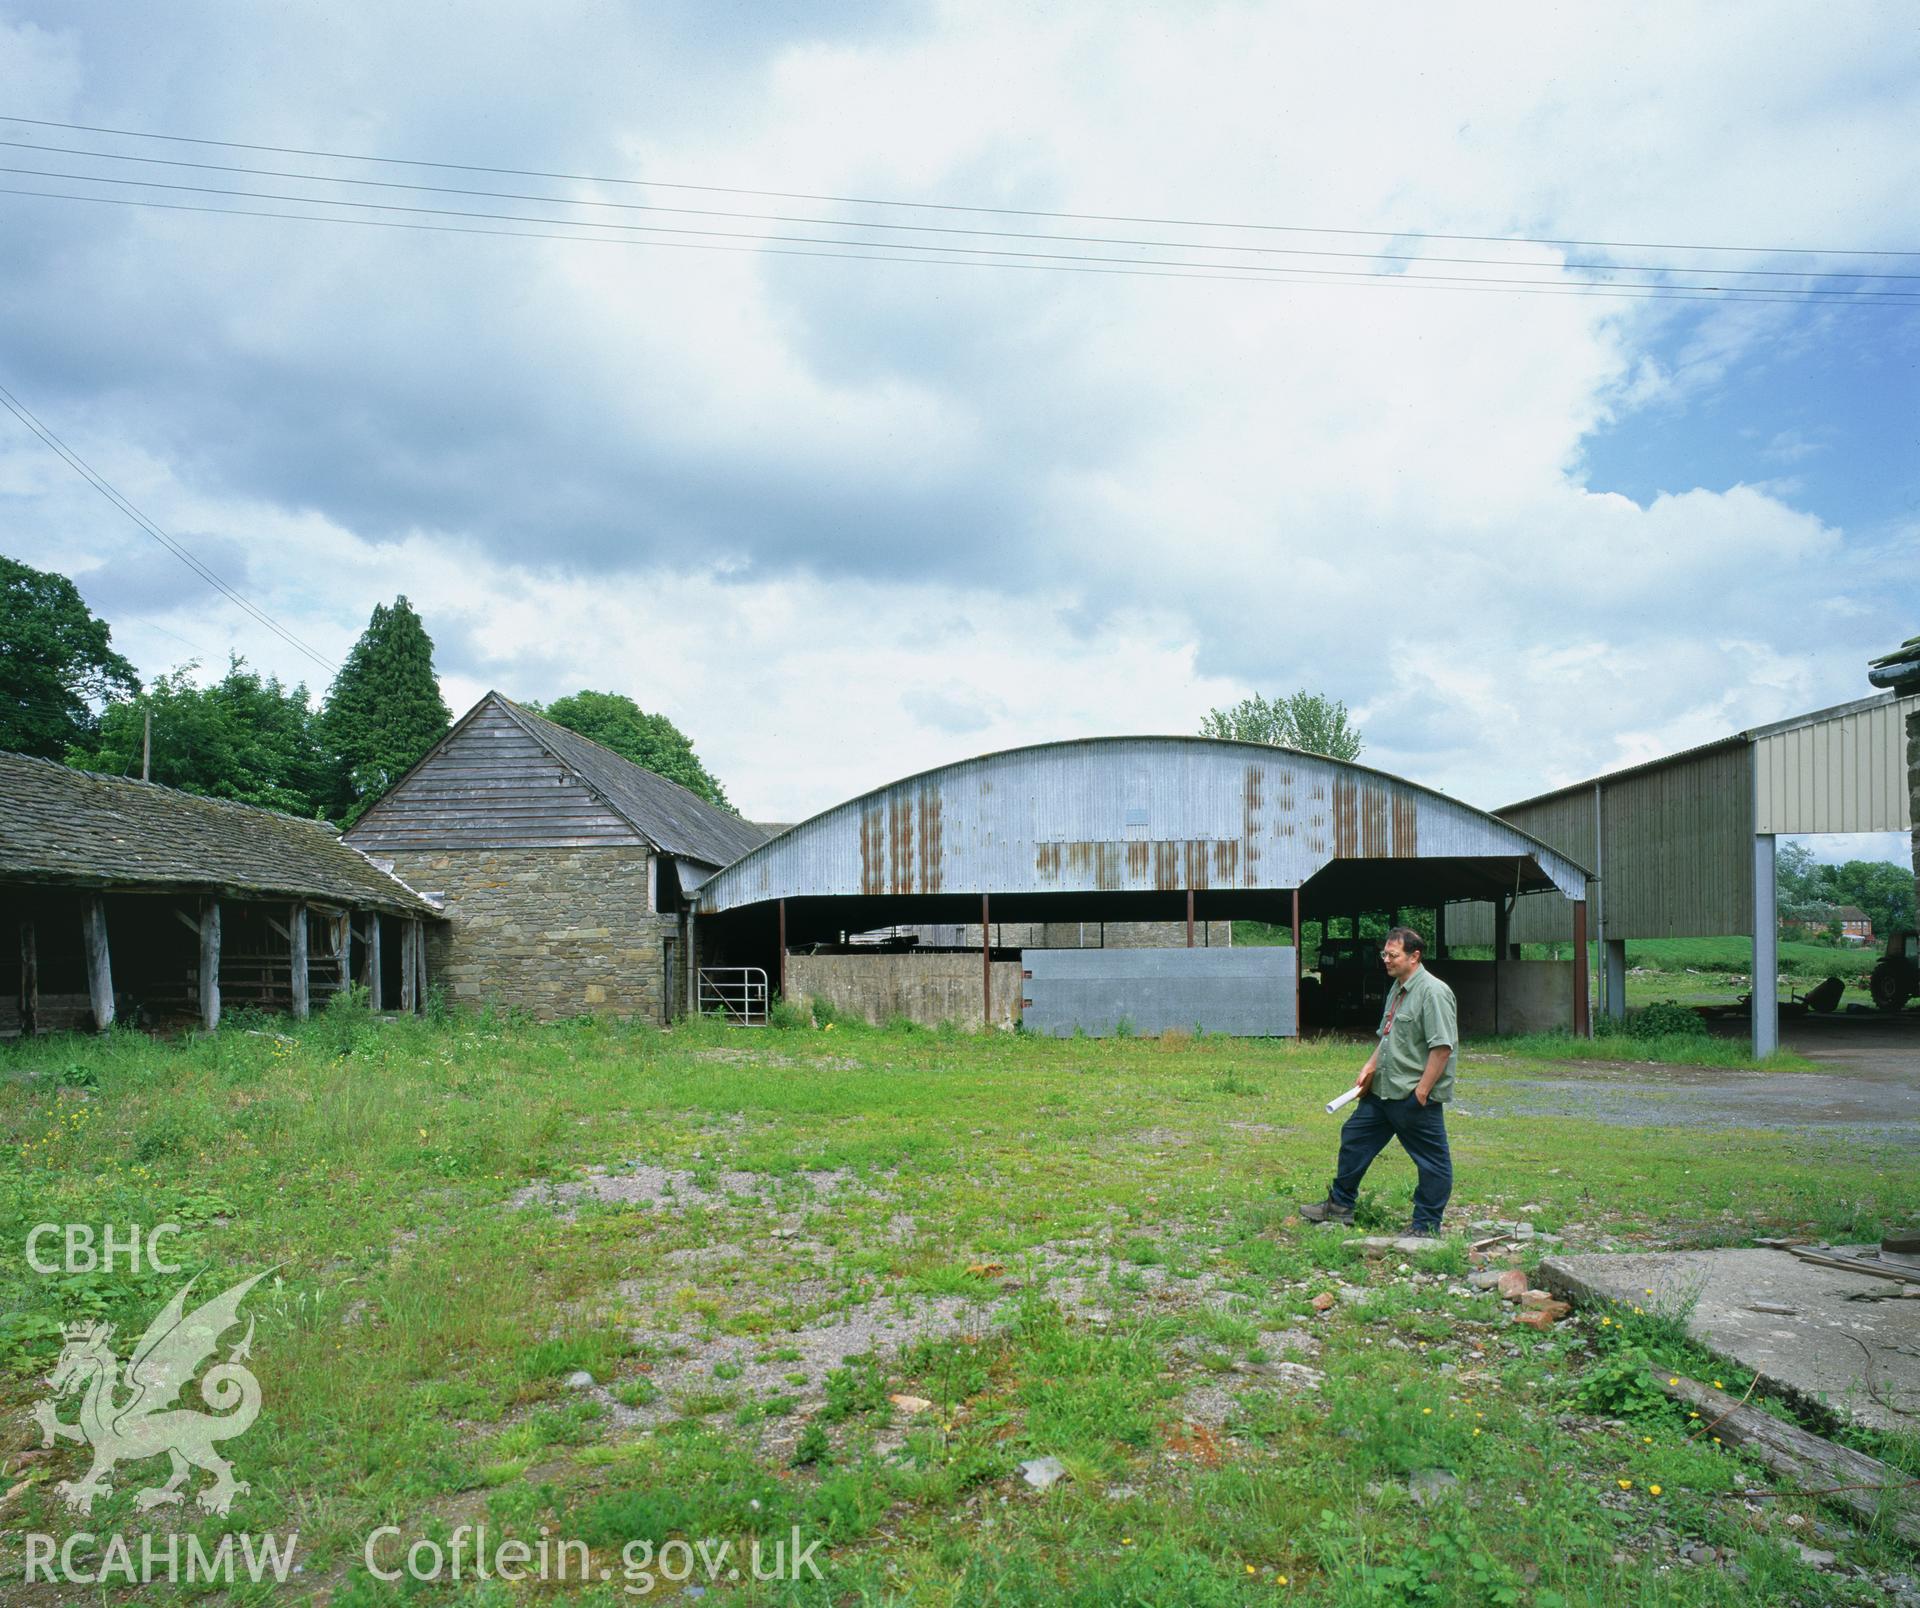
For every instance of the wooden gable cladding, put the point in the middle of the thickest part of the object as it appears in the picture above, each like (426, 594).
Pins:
(490, 785)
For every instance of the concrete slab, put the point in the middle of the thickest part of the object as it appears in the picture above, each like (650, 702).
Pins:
(1846, 1342)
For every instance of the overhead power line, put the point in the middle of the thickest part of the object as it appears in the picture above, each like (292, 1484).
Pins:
(999, 253)
(950, 206)
(879, 226)
(1116, 266)
(101, 484)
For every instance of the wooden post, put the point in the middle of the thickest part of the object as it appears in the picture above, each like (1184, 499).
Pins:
(1189, 918)
(376, 965)
(420, 966)
(1582, 1014)
(783, 949)
(1502, 927)
(693, 962)
(1299, 966)
(339, 929)
(299, 969)
(29, 978)
(210, 963)
(93, 930)
(409, 996)
(986, 967)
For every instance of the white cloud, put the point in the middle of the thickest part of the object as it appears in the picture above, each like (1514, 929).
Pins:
(841, 520)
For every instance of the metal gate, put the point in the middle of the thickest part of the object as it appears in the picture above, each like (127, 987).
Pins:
(1247, 991)
(738, 993)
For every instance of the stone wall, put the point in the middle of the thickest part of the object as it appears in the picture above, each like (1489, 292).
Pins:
(928, 989)
(553, 932)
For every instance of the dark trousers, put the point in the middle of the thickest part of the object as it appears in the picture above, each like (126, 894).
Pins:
(1422, 1132)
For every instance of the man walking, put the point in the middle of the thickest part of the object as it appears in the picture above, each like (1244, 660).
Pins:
(1403, 1090)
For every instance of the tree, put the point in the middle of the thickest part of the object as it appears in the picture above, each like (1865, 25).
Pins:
(1805, 890)
(1881, 888)
(384, 710)
(244, 738)
(1307, 720)
(55, 660)
(615, 721)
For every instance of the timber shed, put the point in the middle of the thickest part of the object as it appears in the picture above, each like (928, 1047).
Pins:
(1683, 846)
(563, 865)
(127, 900)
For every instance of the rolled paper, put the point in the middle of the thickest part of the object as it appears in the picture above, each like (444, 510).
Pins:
(1348, 1098)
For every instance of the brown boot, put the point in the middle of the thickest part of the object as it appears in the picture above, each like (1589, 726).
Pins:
(1326, 1211)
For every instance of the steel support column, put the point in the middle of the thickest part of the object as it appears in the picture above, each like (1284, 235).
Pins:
(1189, 918)
(781, 984)
(1766, 953)
(1582, 999)
(1615, 952)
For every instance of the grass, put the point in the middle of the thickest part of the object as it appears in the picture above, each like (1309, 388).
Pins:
(1077, 1249)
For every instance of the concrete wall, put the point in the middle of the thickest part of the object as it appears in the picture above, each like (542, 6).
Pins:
(928, 989)
(1076, 934)
(552, 931)
(1535, 996)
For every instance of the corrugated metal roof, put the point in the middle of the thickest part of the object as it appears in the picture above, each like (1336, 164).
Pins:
(79, 829)
(1123, 814)
(1843, 711)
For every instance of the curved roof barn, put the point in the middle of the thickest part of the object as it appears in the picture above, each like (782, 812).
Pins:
(1140, 818)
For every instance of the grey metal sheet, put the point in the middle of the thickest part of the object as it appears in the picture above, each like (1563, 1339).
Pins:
(1123, 814)
(1250, 992)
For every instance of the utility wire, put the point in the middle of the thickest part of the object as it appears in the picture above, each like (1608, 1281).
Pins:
(945, 206)
(971, 257)
(106, 489)
(941, 229)
(1239, 275)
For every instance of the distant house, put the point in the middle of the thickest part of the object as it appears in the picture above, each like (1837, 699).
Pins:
(123, 900)
(563, 867)
(1856, 926)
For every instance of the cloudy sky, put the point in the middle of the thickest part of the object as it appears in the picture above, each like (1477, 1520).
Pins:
(842, 518)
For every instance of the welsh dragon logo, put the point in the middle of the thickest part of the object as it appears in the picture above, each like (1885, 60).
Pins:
(127, 1418)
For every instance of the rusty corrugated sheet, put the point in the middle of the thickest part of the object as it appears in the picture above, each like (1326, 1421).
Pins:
(1114, 814)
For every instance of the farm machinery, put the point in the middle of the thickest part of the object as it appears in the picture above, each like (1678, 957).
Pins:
(1895, 979)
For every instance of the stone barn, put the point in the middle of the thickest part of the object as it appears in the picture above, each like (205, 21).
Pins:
(562, 867)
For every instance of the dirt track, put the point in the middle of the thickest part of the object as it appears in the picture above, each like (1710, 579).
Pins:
(1869, 1082)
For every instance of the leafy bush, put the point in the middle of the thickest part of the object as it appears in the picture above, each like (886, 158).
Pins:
(786, 1015)
(1619, 1385)
(1666, 1019)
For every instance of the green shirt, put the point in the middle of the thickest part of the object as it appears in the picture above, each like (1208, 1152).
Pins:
(1423, 1015)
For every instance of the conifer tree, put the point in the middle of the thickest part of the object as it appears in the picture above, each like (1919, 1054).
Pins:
(384, 709)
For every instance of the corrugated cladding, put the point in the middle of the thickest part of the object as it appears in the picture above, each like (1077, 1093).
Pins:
(1676, 861)
(1119, 814)
(1678, 856)
(1847, 773)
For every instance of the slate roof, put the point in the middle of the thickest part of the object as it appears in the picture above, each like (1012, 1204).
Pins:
(671, 817)
(76, 828)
